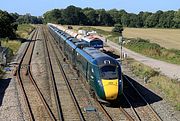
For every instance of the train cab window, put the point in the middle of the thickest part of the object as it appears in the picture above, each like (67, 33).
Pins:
(109, 72)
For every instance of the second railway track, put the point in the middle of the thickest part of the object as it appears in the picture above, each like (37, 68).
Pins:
(36, 106)
(69, 107)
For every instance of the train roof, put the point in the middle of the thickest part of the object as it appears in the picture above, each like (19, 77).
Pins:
(73, 42)
(82, 44)
(84, 54)
(91, 38)
(65, 36)
(99, 57)
(94, 52)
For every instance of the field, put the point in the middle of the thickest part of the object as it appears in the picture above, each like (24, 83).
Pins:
(168, 38)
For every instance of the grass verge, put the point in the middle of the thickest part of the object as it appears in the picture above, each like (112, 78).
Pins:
(153, 50)
(13, 45)
(169, 87)
(24, 30)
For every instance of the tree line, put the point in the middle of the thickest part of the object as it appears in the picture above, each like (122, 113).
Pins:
(73, 15)
(9, 22)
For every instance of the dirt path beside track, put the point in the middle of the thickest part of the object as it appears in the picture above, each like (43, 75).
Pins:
(170, 70)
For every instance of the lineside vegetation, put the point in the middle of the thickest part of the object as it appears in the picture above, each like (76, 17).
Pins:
(169, 88)
(22, 32)
(13, 45)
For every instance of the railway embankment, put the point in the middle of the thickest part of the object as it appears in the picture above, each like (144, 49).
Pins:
(10, 107)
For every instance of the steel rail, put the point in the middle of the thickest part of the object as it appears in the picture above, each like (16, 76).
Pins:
(57, 99)
(27, 103)
(149, 106)
(126, 114)
(103, 110)
(51, 115)
(69, 87)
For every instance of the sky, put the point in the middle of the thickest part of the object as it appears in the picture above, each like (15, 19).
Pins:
(39, 7)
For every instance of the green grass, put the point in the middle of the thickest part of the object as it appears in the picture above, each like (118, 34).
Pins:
(24, 30)
(12, 44)
(154, 50)
(170, 88)
(1, 72)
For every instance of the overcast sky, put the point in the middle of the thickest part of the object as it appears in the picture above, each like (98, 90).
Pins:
(38, 7)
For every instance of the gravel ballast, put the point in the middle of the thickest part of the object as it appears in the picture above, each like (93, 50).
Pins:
(10, 106)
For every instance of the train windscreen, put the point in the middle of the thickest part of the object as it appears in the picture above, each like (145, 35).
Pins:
(109, 72)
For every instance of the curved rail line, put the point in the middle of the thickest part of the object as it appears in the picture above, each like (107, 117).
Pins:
(21, 83)
(27, 102)
(68, 85)
(148, 105)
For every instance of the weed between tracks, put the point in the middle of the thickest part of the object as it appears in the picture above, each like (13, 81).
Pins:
(169, 87)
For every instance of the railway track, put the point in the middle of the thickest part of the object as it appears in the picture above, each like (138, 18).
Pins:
(114, 113)
(111, 113)
(68, 104)
(36, 105)
(141, 109)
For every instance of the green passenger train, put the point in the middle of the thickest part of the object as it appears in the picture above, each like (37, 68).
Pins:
(102, 72)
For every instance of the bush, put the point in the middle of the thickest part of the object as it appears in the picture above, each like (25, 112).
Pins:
(154, 50)
(118, 28)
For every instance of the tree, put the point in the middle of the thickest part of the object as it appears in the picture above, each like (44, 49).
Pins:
(15, 16)
(166, 20)
(104, 18)
(89, 16)
(116, 16)
(7, 28)
(73, 15)
(53, 16)
(176, 19)
(92, 17)
(118, 28)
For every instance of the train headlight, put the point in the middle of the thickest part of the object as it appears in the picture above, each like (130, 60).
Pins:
(99, 82)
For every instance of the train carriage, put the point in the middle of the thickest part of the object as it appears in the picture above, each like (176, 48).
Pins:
(93, 41)
(102, 72)
(70, 46)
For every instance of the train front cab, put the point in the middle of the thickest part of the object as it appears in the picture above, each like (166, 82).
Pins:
(111, 81)
(106, 80)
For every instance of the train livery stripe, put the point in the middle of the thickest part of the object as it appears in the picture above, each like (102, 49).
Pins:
(110, 88)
